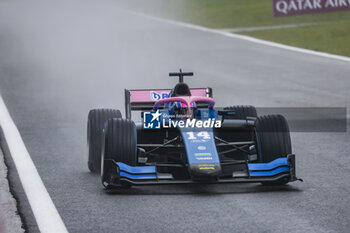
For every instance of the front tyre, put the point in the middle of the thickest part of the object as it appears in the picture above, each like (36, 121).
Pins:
(242, 111)
(120, 145)
(96, 120)
(273, 136)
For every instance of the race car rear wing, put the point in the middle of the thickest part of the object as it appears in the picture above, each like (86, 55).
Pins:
(144, 99)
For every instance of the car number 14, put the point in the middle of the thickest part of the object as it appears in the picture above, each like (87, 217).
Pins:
(200, 135)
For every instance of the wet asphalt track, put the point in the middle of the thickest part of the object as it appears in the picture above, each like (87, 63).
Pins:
(53, 71)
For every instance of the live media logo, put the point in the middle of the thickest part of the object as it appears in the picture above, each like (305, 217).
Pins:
(151, 120)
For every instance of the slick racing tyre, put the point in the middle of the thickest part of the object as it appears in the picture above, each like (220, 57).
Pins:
(273, 138)
(120, 145)
(242, 112)
(96, 120)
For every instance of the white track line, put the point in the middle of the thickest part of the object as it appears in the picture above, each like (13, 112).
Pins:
(248, 38)
(44, 210)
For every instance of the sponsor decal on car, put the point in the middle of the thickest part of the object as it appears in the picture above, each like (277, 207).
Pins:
(206, 167)
(204, 158)
(202, 154)
(159, 96)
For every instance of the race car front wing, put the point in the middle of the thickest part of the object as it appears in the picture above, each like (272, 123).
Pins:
(118, 173)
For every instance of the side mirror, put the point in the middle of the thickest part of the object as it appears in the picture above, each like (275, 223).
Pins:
(227, 112)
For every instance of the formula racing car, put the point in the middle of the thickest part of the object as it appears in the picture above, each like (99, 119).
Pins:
(181, 137)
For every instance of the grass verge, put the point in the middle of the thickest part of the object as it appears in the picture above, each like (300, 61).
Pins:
(332, 37)
(246, 13)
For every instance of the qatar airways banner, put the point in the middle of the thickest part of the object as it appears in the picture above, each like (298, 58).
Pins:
(295, 7)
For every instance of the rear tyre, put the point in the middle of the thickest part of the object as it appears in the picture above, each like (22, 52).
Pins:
(96, 120)
(242, 111)
(120, 145)
(273, 138)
